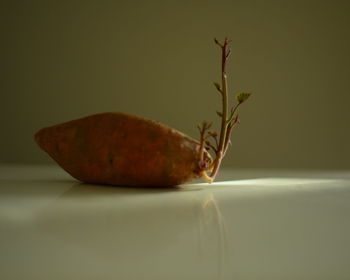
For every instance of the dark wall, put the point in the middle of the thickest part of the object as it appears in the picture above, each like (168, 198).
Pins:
(62, 60)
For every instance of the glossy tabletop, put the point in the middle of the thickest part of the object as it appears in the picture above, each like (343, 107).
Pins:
(251, 224)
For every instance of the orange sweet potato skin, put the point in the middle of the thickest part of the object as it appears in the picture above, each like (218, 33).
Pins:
(122, 149)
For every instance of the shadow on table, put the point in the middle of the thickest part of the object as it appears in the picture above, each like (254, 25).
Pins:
(37, 188)
(94, 189)
(40, 188)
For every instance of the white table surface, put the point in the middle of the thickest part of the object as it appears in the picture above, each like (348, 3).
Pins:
(255, 224)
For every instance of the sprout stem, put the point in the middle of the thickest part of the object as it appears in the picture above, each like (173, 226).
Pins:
(227, 122)
(219, 153)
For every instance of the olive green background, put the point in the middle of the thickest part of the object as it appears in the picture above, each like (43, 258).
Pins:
(62, 60)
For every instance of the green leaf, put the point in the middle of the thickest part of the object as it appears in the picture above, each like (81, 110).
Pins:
(217, 86)
(219, 114)
(242, 97)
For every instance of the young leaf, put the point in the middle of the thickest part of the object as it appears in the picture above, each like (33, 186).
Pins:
(217, 86)
(219, 114)
(243, 96)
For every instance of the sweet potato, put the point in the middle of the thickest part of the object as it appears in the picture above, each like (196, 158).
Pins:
(122, 149)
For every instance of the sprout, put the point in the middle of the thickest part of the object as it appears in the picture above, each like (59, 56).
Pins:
(229, 119)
